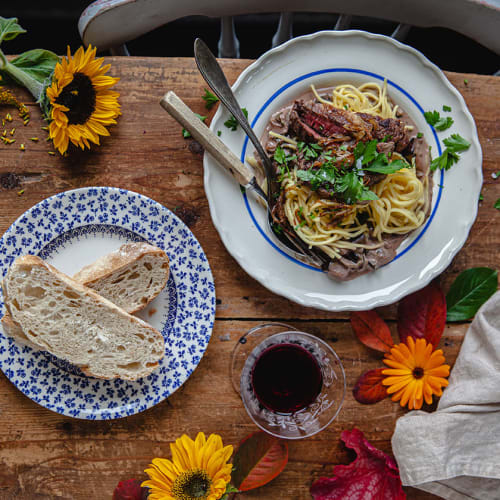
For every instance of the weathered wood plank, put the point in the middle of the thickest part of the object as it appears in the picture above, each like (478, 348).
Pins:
(58, 457)
(147, 153)
(45, 455)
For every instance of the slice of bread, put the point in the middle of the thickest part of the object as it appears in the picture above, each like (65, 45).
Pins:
(73, 322)
(130, 277)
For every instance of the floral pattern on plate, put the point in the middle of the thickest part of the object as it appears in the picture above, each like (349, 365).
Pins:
(77, 227)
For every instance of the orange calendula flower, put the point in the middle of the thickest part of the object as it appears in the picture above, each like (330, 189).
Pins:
(82, 104)
(416, 373)
(198, 470)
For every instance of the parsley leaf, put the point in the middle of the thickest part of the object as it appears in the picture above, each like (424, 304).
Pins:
(370, 152)
(439, 123)
(456, 143)
(446, 108)
(353, 188)
(232, 123)
(359, 150)
(210, 99)
(185, 133)
(381, 165)
(420, 135)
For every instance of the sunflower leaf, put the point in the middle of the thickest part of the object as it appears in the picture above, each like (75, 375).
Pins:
(422, 314)
(470, 291)
(32, 70)
(369, 389)
(9, 28)
(372, 330)
(259, 459)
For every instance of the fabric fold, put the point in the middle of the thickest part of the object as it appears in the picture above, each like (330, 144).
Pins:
(455, 451)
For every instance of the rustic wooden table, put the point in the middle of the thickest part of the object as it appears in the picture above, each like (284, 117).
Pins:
(46, 455)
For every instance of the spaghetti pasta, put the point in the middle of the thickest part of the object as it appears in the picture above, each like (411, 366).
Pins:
(402, 198)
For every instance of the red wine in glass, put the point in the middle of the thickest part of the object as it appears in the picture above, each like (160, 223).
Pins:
(286, 378)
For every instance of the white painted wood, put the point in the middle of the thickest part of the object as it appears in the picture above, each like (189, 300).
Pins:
(229, 45)
(285, 29)
(108, 23)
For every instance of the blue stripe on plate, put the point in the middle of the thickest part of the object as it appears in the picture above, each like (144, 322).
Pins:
(321, 72)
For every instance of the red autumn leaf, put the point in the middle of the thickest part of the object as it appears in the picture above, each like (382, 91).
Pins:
(130, 490)
(372, 330)
(369, 388)
(374, 475)
(259, 459)
(423, 315)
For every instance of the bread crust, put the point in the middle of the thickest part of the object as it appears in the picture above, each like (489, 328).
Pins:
(105, 266)
(28, 262)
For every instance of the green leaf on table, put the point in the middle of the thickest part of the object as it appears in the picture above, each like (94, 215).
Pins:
(210, 99)
(9, 28)
(469, 292)
(497, 204)
(258, 460)
(38, 63)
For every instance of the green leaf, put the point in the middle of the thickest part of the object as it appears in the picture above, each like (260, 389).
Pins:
(210, 99)
(9, 28)
(444, 123)
(469, 292)
(446, 108)
(232, 124)
(382, 166)
(185, 133)
(432, 117)
(497, 204)
(279, 155)
(359, 150)
(370, 152)
(258, 460)
(439, 123)
(38, 63)
(456, 143)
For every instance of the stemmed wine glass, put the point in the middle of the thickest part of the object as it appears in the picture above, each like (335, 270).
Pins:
(292, 383)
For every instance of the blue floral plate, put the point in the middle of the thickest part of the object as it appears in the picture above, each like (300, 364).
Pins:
(71, 230)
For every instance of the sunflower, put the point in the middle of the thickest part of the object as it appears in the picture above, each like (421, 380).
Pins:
(81, 103)
(198, 470)
(415, 373)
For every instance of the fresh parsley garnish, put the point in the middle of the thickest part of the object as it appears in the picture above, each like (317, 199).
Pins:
(381, 165)
(454, 144)
(370, 152)
(446, 108)
(219, 133)
(420, 135)
(185, 133)
(309, 151)
(232, 123)
(210, 99)
(439, 123)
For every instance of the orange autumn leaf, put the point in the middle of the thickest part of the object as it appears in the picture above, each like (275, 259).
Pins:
(369, 389)
(372, 330)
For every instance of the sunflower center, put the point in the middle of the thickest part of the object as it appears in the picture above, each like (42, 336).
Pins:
(418, 372)
(79, 97)
(192, 485)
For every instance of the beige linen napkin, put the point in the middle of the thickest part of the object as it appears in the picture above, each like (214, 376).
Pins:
(455, 451)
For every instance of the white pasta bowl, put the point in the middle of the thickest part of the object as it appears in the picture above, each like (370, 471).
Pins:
(326, 59)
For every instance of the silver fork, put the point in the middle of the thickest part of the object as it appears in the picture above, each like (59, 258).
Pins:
(229, 161)
(214, 76)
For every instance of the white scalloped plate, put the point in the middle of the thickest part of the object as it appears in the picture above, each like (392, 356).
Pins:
(417, 85)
